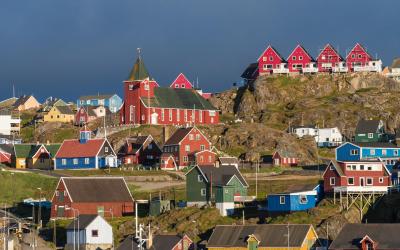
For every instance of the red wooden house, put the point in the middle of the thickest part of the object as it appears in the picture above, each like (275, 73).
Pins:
(286, 158)
(180, 149)
(329, 59)
(205, 158)
(106, 196)
(356, 176)
(357, 57)
(140, 149)
(84, 115)
(147, 103)
(181, 82)
(270, 61)
(300, 61)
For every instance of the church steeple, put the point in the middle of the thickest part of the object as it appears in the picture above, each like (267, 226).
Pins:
(139, 71)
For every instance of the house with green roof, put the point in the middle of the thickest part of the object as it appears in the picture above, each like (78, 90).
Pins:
(36, 156)
(145, 102)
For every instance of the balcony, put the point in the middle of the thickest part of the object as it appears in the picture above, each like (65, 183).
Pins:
(309, 70)
(361, 189)
(280, 71)
(237, 198)
(340, 69)
(372, 66)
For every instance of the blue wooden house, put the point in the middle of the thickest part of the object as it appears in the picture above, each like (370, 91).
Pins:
(113, 102)
(358, 151)
(296, 199)
(85, 153)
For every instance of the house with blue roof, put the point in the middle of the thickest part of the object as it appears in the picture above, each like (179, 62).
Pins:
(298, 198)
(358, 151)
(113, 102)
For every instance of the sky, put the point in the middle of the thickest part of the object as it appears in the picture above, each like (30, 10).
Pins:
(71, 48)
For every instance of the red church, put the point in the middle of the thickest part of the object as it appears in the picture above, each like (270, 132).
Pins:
(300, 61)
(329, 59)
(271, 62)
(145, 102)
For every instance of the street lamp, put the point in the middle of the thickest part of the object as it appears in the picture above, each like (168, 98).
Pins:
(75, 217)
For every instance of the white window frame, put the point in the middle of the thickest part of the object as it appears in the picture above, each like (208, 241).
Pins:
(178, 115)
(384, 152)
(305, 199)
(106, 149)
(202, 147)
(87, 160)
(372, 151)
(185, 115)
(371, 179)
(381, 180)
(348, 181)
(200, 178)
(203, 192)
(162, 114)
(63, 162)
(354, 152)
(200, 116)
(332, 181)
(170, 115)
(370, 135)
(282, 200)
(187, 148)
(185, 158)
(75, 161)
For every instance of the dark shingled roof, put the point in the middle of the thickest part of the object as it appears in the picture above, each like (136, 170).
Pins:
(64, 110)
(7, 148)
(386, 235)
(21, 100)
(97, 189)
(160, 242)
(177, 98)
(396, 63)
(84, 221)
(221, 175)
(228, 160)
(337, 167)
(269, 235)
(137, 142)
(92, 97)
(178, 136)
(251, 71)
(367, 126)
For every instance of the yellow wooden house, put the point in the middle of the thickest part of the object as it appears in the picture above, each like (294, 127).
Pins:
(60, 114)
(36, 156)
(26, 102)
(264, 237)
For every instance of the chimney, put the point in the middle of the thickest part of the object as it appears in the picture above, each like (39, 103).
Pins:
(166, 134)
(48, 142)
(217, 163)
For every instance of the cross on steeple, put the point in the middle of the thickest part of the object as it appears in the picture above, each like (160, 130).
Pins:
(139, 50)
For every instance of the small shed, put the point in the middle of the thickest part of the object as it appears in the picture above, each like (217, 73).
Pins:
(297, 198)
(285, 157)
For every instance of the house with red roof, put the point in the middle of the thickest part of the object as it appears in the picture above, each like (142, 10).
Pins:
(85, 153)
(180, 149)
(271, 62)
(300, 61)
(329, 60)
(359, 60)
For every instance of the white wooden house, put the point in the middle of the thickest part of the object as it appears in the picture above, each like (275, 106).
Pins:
(90, 232)
(324, 137)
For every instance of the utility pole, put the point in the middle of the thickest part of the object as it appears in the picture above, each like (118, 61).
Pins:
(288, 236)
(40, 208)
(256, 179)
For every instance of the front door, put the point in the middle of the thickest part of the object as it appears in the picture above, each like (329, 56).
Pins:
(362, 181)
(154, 118)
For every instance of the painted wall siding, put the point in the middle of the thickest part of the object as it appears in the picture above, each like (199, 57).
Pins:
(269, 57)
(364, 137)
(343, 153)
(327, 57)
(193, 187)
(81, 163)
(357, 51)
(292, 203)
(294, 58)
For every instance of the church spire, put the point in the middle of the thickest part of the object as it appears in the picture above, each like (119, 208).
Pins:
(139, 71)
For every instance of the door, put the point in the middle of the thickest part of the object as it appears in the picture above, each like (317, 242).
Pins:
(362, 181)
(276, 162)
(60, 211)
(110, 161)
(154, 118)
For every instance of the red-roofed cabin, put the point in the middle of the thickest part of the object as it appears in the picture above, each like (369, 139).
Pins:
(358, 59)
(271, 62)
(85, 153)
(284, 158)
(205, 157)
(329, 59)
(181, 82)
(300, 61)
(142, 150)
(105, 196)
(356, 176)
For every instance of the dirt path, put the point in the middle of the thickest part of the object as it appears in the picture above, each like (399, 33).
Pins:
(283, 177)
(151, 186)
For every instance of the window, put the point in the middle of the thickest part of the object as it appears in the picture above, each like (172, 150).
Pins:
(354, 167)
(170, 115)
(185, 159)
(361, 167)
(150, 146)
(75, 161)
(183, 85)
(369, 168)
(106, 149)
(146, 86)
(370, 135)
(281, 199)
(380, 179)
(193, 115)
(359, 56)
(331, 167)
(211, 113)
(200, 178)
(191, 137)
(202, 147)
(353, 56)
(187, 148)
(300, 58)
(303, 199)
(64, 162)
(178, 115)
(198, 137)
(185, 115)
(95, 233)
(332, 181)
(86, 161)
(293, 57)
(203, 192)
(384, 152)
(369, 181)
(201, 159)
(57, 193)
(264, 58)
(200, 116)
(395, 152)
(350, 180)
(177, 86)
(372, 151)
(41, 160)
(130, 86)
(354, 152)
(271, 58)
(162, 114)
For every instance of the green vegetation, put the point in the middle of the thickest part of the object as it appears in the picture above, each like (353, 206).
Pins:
(28, 134)
(326, 152)
(14, 187)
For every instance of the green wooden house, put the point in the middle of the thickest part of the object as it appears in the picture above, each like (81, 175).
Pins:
(221, 186)
(370, 131)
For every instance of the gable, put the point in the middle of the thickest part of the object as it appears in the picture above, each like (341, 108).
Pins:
(268, 50)
(181, 79)
(358, 47)
(299, 49)
(328, 49)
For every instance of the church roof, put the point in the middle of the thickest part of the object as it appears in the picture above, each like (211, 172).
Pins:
(139, 71)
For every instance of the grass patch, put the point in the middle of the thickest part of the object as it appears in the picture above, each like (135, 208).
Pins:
(277, 170)
(28, 134)
(113, 172)
(14, 187)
